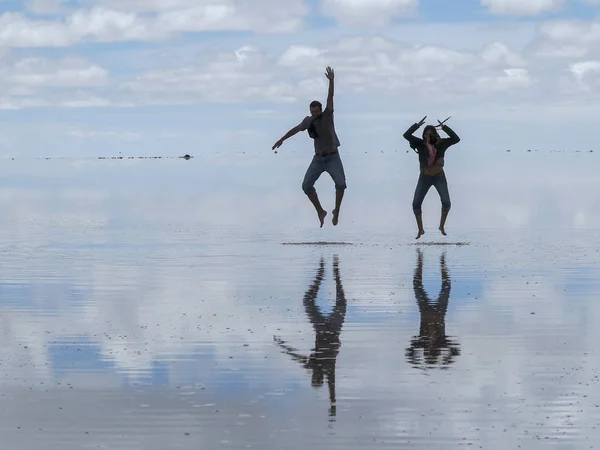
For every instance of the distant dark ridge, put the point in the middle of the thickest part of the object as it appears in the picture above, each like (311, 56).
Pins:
(145, 157)
(441, 243)
(112, 157)
(558, 151)
(538, 151)
(187, 157)
(316, 243)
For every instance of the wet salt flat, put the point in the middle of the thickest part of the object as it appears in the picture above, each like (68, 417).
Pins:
(154, 304)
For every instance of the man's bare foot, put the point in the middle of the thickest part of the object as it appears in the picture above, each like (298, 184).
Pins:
(443, 231)
(334, 219)
(322, 215)
(421, 233)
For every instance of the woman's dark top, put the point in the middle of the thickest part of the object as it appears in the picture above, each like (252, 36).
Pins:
(441, 146)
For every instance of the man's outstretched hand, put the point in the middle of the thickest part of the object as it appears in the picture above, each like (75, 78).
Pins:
(277, 145)
(420, 124)
(329, 73)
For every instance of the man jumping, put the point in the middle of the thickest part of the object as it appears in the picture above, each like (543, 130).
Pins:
(321, 129)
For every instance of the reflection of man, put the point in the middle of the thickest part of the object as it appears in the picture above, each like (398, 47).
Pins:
(436, 347)
(327, 333)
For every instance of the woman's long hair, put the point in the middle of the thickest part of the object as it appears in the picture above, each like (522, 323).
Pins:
(428, 127)
(432, 128)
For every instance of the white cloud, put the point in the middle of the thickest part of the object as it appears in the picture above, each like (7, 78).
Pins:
(581, 69)
(248, 73)
(522, 7)
(159, 6)
(122, 135)
(375, 65)
(237, 76)
(302, 56)
(145, 6)
(66, 73)
(68, 100)
(16, 30)
(379, 65)
(46, 6)
(39, 82)
(510, 80)
(586, 74)
(556, 50)
(15, 104)
(103, 24)
(578, 32)
(567, 39)
(235, 72)
(86, 101)
(375, 57)
(368, 12)
(498, 54)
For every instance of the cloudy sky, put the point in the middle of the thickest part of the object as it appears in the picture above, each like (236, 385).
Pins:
(84, 77)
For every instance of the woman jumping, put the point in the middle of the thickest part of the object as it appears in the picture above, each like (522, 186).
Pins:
(431, 150)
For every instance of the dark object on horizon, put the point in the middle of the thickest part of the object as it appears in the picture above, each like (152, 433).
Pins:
(144, 157)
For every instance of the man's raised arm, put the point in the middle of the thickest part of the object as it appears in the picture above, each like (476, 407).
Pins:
(329, 74)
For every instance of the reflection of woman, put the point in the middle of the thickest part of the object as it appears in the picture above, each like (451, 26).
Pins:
(432, 337)
(431, 150)
(327, 333)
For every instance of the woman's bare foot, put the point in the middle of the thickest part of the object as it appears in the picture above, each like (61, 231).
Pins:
(322, 215)
(334, 219)
(442, 230)
(421, 233)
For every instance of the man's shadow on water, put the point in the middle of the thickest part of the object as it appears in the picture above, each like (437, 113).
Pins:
(327, 334)
(432, 348)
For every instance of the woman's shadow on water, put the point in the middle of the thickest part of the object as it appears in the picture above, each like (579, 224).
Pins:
(327, 333)
(432, 348)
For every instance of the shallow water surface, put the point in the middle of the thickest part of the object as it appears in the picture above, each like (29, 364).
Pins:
(133, 322)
